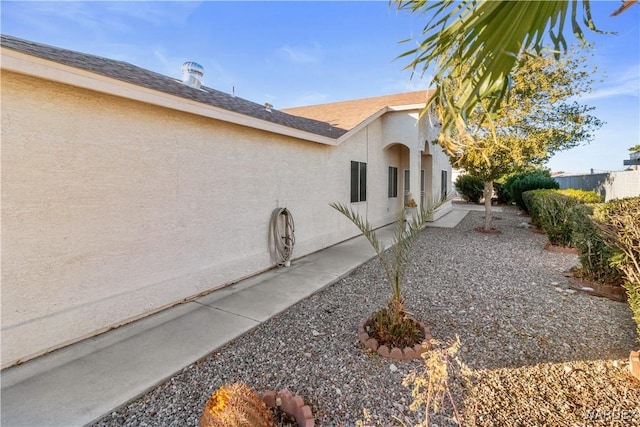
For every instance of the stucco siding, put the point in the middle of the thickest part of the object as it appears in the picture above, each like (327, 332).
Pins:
(113, 209)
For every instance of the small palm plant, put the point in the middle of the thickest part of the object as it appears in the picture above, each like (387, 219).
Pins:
(392, 324)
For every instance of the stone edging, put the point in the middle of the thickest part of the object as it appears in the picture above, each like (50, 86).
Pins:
(292, 405)
(634, 364)
(395, 353)
(561, 249)
(614, 293)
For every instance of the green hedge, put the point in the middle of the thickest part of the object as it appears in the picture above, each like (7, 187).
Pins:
(532, 201)
(607, 235)
(519, 184)
(582, 196)
(555, 212)
(620, 225)
(470, 187)
(552, 211)
(595, 254)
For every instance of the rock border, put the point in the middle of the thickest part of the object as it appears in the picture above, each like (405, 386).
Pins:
(634, 364)
(561, 249)
(291, 405)
(395, 353)
(614, 293)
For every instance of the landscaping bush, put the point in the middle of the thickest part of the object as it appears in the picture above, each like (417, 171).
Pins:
(518, 184)
(555, 211)
(595, 254)
(501, 193)
(470, 187)
(619, 222)
(582, 196)
(532, 200)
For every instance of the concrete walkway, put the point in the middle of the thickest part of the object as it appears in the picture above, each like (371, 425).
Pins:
(80, 383)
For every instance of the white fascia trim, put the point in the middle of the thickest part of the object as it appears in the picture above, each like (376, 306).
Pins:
(408, 107)
(379, 113)
(49, 70)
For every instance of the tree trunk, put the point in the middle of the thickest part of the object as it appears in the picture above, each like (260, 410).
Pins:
(488, 193)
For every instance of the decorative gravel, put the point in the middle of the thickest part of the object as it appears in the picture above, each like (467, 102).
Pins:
(539, 353)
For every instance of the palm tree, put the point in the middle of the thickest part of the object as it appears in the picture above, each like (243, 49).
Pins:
(392, 323)
(490, 36)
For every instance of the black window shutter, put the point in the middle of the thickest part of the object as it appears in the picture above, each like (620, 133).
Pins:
(354, 182)
(363, 182)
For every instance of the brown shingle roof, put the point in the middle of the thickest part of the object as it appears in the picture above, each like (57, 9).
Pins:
(330, 120)
(349, 114)
(129, 73)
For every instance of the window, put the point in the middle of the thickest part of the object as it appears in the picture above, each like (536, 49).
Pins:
(393, 182)
(423, 186)
(407, 184)
(443, 184)
(358, 182)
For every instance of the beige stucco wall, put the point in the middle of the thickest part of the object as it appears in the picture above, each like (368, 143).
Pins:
(113, 209)
(416, 133)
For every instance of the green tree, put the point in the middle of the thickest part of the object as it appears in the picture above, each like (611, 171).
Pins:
(491, 36)
(540, 118)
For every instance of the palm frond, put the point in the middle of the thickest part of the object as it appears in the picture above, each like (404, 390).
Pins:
(368, 232)
(491, 36)
(396, 260)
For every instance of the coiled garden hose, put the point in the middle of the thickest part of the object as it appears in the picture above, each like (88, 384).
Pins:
(283, 236)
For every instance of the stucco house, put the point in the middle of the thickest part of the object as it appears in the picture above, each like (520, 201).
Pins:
(125, 191)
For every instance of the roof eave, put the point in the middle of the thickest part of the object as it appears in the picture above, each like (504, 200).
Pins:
(22, 63)
(378, 114)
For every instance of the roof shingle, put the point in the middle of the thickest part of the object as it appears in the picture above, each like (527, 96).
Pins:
(129, 73)
(349, 114)
(329, 120)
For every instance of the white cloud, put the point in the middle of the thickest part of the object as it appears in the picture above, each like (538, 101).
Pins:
(623, 83)
(300, 54)
(155, 13)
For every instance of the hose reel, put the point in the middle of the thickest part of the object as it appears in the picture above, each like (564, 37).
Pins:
(283, 236)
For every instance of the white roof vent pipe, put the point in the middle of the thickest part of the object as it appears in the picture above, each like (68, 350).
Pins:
(192, 73)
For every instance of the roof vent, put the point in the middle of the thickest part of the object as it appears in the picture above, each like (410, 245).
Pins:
(192, 73)
(268, 106)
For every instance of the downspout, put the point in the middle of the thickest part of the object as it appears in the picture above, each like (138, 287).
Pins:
(367, 137)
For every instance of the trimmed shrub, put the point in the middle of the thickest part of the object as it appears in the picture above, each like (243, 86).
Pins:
(555, 211)
(532, 200)
(470, 187)
(595, 254)
(527, 182)
(619, 222)
(582, 196)
(501, 193)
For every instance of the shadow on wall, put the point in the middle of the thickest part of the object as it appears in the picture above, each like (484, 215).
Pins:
(611, 185)
(593, 182)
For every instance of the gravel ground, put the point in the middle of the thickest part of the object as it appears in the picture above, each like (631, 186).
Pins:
(538, 354)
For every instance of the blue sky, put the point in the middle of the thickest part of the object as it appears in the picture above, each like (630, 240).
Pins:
(293, 53)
